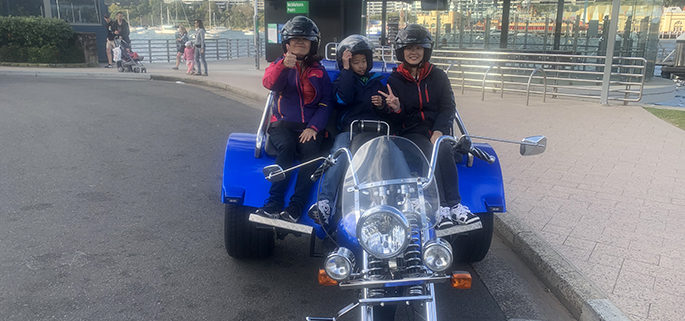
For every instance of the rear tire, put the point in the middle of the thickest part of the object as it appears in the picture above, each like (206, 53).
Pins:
(474, 246)
(242, 238)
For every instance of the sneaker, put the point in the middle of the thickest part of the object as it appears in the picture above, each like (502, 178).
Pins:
(291, 213)
(444, 218)
(320, 212)
(462, 215)
(205, 74)
(270, 210)
(174, 68)
(108, 66)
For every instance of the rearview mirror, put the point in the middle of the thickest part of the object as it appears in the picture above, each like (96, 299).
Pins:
(273, 173)
(533, 145)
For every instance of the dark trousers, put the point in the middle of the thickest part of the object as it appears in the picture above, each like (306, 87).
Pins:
(446, 171)
(285, 138)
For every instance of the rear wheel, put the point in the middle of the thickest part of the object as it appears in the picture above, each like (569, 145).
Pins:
(242, 238)
(473, 246)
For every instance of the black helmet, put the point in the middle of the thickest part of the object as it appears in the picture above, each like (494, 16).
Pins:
(301, 27)
(413, 34)
(356, 44)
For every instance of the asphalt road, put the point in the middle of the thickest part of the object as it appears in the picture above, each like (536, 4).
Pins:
(109, 210)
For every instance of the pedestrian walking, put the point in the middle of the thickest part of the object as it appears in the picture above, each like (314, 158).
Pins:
(200, 47)
(109, 46)
(181, 40)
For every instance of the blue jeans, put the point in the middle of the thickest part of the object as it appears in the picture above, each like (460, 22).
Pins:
(200, 57)
(334, 175)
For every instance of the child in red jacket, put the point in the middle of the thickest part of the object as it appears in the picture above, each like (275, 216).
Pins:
(303, 99)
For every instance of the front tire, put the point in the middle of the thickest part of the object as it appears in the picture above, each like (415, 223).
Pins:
(242, 238)
(473, 246)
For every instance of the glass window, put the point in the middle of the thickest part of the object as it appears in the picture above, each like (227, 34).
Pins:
(77, 11)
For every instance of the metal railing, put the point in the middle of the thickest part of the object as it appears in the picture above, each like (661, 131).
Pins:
(164, 50)
(561, 75)
(576, 76)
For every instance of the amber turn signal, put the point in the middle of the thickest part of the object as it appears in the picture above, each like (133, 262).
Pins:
(461, 280)
(326, 280)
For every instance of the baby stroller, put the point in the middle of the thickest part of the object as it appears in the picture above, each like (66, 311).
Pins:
(126, 59)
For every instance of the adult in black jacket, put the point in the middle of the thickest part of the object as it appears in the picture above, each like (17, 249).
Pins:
(121, 28)
(422, 99)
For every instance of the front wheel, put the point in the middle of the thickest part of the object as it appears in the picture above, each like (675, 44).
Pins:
(473, 246)
(242, 238)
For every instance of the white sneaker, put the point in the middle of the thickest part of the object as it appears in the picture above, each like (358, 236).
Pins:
(462, 215)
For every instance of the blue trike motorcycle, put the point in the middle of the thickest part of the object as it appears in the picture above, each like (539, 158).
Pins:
(383, 243)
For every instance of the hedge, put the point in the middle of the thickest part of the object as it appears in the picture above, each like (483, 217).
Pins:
(38, 40)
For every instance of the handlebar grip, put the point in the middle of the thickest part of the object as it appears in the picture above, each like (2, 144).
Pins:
(321, 169)
(482, 155)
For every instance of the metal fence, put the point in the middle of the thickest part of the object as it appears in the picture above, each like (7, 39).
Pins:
(556, 75)
(544, 74)
(164, 50)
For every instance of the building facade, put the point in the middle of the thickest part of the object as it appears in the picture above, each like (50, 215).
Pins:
(83, 15)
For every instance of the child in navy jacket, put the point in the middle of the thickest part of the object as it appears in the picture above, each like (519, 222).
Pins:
(356, 94)
(303, 97)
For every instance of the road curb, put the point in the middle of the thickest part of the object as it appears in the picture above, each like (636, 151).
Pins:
(47, 65)
(214, 84)
(579, 295)
(78, 75)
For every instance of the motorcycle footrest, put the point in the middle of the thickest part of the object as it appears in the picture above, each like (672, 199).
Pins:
(458, 229)
(281, 224)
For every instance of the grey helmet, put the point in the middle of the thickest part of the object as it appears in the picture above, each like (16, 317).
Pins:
(356, 44)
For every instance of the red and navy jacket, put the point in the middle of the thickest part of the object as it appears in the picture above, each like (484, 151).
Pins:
(302, 96)
(426, 103)
(353, 97)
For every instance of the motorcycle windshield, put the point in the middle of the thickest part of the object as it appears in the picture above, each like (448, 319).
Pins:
(388, 171)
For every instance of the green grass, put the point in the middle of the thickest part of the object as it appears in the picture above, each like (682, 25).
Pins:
(675, 117)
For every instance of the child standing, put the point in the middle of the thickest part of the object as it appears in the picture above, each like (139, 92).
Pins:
(356, 92)
(189, 56)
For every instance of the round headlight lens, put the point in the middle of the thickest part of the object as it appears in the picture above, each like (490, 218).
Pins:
(383, 231)
(339, 264)
(437, 255)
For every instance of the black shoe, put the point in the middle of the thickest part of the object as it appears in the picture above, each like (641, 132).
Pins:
(108, 66)
(320, 212)
(462, 215)
(270, 210)
(444, 218)
(291, 213)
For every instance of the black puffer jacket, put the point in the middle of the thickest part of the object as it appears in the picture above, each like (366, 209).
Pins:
(427, 103)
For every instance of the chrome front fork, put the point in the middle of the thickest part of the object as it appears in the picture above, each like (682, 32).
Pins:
(430, 313)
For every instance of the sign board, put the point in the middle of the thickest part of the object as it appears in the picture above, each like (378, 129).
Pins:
(301, 7)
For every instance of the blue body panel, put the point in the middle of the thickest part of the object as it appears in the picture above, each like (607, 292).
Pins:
(244, 183)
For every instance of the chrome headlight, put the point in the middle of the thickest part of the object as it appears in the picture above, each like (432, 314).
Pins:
(383, 231)
(437, 255)
(339, 264)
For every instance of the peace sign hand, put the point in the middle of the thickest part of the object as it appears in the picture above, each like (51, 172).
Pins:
(390, 99)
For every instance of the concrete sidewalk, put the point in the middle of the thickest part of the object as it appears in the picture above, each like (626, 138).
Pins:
(608, 195)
